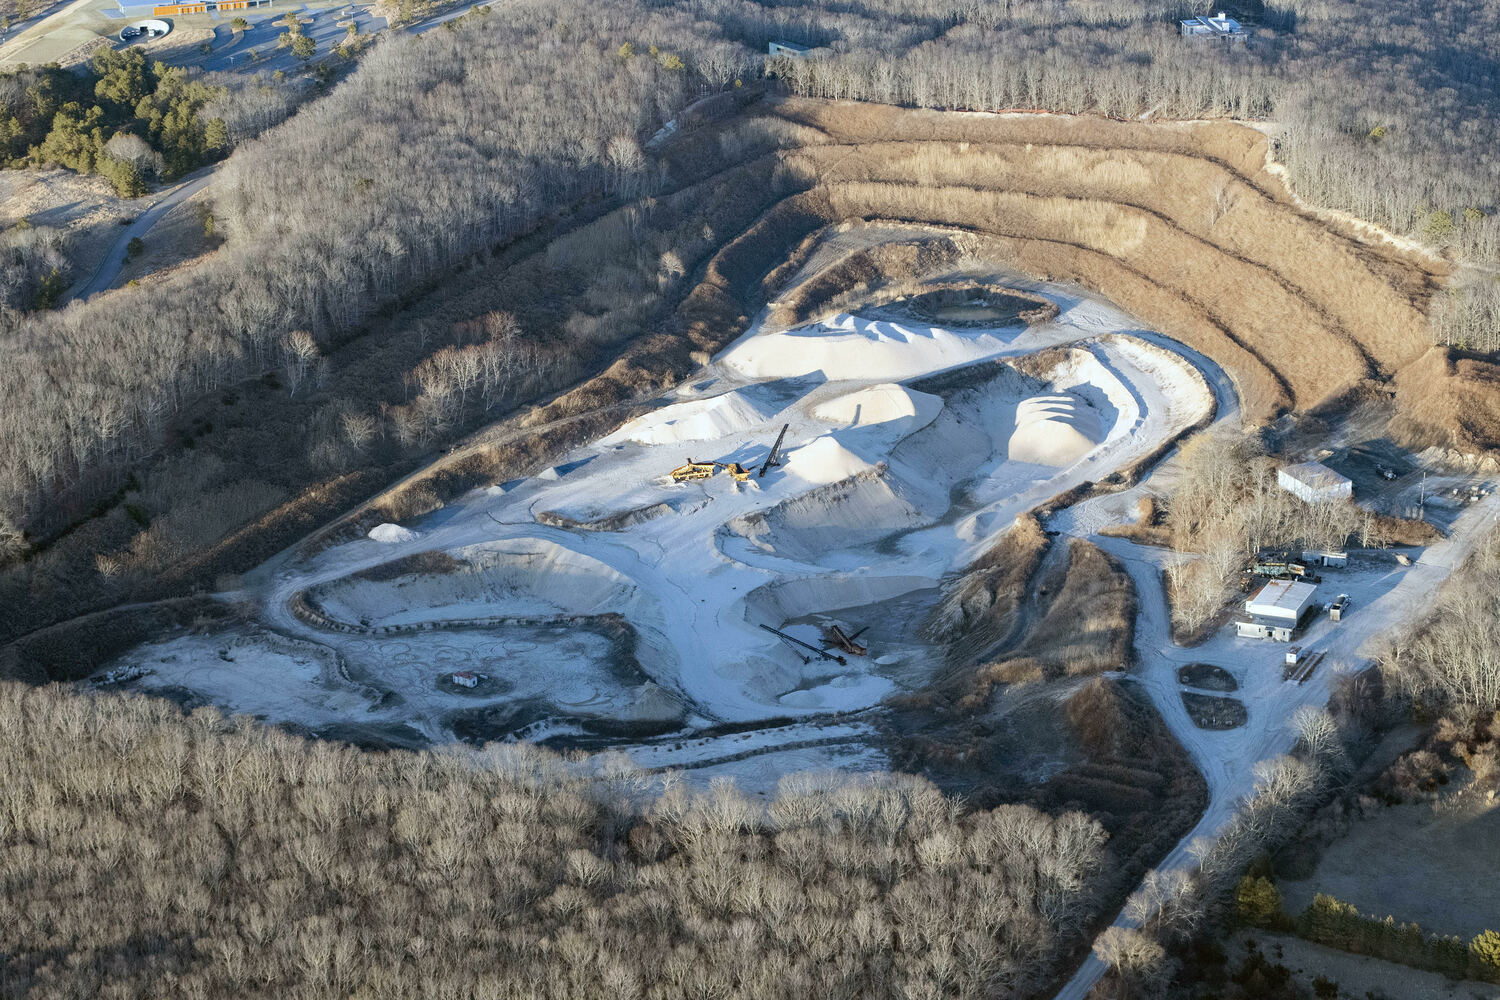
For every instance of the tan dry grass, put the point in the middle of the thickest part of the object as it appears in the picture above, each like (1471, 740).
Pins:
(1343, 279)
(1449, 400)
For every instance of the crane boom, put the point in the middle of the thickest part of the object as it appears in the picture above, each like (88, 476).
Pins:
(805, 645)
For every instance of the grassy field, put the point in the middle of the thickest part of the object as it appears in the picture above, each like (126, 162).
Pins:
(1416, 865)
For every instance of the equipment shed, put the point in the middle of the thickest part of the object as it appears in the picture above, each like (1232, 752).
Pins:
(1314, 482)
(1276, 610)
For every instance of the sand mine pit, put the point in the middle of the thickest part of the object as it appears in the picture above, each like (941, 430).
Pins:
(599, 601)
(978, 305)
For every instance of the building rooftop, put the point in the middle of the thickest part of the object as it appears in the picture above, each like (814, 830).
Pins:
(1222, 24)
(1314, 474)
(1281, 599)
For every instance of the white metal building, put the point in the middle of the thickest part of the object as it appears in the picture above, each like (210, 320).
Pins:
(1274, 612)
(1314, 482)
(466, 678)
(1220, 26)
(790, 49)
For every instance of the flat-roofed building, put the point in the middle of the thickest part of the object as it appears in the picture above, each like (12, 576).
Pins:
(1219, 26)
(1276, 610)
(1314, 482)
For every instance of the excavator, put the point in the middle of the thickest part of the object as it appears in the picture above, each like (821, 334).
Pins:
(705, 470)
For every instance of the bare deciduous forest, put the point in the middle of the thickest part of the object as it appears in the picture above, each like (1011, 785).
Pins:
(144, 853)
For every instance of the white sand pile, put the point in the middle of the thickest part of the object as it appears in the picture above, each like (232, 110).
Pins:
(835, 517)
(696, 420)
(848, 347)
(892, 407)
(390, 533)
(824, 460)
(1054, 430)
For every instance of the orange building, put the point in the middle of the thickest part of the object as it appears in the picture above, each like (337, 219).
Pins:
(207, 7)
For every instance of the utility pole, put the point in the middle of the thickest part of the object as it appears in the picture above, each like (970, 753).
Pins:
(1422, 498)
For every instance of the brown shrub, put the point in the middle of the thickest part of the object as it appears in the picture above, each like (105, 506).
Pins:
(1095, 713)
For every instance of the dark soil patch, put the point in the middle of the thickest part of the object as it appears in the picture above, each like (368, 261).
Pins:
(1211, 712)
(1207, 676)
(978, 305)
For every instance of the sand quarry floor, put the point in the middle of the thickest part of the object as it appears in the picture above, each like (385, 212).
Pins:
(889, 482)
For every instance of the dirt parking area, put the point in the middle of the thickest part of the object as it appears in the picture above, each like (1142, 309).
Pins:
(1438, 870)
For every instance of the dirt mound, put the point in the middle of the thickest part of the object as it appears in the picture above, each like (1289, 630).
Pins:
(881, 404)
(825, 460)
(392, 533)
(856, 510)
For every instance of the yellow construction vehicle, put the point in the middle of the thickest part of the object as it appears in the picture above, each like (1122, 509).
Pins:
(694, 470)
(703, 470)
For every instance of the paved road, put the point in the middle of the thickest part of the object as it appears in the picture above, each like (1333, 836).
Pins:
(109, 268)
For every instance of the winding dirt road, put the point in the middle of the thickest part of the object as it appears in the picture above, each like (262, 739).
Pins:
(109, 268)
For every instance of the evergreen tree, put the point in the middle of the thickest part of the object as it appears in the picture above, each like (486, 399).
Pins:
(1258, 901)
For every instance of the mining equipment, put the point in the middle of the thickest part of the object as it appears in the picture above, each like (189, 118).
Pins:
(773, 459)
(694, 470)
(1277, 567)
(825, 654)
(835, 636)
(703, 470)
